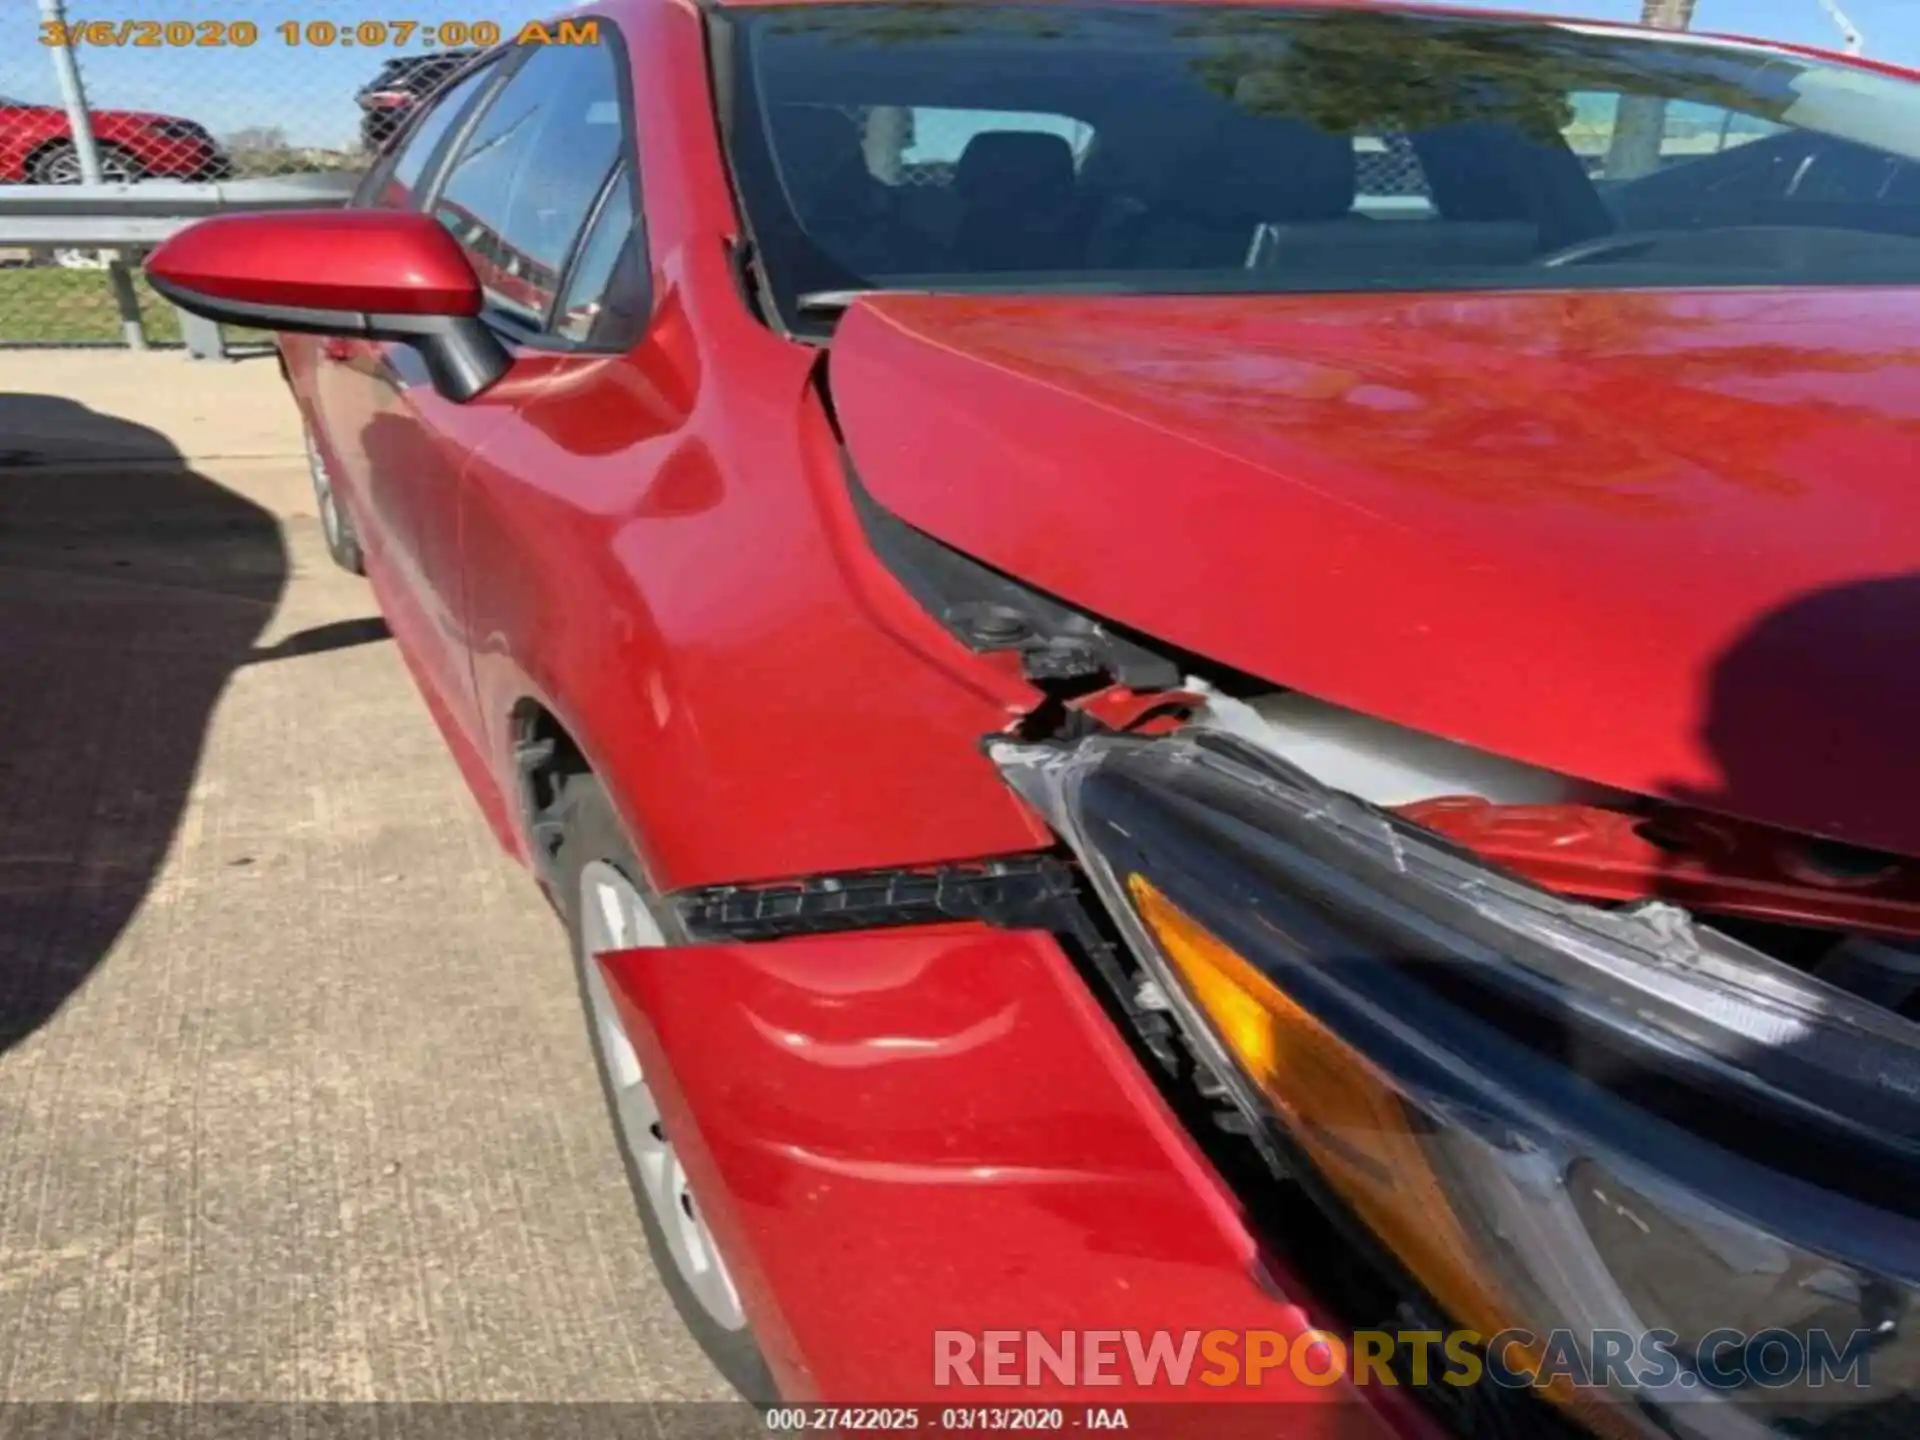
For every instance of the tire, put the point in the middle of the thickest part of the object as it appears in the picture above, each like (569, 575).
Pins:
(591, 855)
(336, 525)
(60, 165)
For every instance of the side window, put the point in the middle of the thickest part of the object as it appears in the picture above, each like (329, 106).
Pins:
(530, 170)
(591, 311)
(1623, 137)
(1389, 181)
(394, 183)
(932, 139)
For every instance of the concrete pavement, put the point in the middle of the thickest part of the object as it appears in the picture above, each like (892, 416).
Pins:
(295, 1101)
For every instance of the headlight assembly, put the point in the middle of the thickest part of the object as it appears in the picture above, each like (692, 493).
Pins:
(1558, 1120)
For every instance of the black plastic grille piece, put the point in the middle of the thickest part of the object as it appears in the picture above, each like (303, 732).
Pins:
(1012, 892)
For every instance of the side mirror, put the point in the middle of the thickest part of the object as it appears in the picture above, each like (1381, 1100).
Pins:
(373, 274)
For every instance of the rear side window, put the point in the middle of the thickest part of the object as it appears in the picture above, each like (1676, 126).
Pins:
(936, 136)
(395, 184)
(517, 193)
(1622, 137)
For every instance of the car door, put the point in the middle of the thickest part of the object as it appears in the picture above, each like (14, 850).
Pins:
(607, 381)
(522, 170)
(394, 448)
(517, 193)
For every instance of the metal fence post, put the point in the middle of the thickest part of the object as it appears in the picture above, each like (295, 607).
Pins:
(74, 96)
(127, 301)
(1855, 42)
(205, 340)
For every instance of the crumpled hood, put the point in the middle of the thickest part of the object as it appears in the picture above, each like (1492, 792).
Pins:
(1664, 541)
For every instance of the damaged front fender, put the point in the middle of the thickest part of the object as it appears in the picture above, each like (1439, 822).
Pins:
(900, 1133)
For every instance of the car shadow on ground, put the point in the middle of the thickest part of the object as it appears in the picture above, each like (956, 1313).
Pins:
(131, 588)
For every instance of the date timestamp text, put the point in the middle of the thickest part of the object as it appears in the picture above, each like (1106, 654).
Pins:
(317, 34)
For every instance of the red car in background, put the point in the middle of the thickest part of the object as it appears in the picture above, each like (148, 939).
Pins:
(36, 146)
(399, 88)
(1184, 670)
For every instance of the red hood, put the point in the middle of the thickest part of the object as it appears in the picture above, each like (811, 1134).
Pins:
(1668, 542)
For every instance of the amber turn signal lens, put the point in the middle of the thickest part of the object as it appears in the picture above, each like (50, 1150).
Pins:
(1338, 1108)
(1359, 1135)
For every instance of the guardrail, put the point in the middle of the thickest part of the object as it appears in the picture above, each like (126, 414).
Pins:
(136, 217)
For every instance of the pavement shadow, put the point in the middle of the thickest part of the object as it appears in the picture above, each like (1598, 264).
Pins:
(131, 588)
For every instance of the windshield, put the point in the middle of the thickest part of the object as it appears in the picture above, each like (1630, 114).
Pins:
(935, 145)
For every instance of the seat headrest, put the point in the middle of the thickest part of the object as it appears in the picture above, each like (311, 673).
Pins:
(1011, 165)
(1257, 168)
(814, 140)
(1488, 170)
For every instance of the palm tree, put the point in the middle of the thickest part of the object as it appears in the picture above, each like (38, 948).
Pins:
(1640, 123)
(1667, 14)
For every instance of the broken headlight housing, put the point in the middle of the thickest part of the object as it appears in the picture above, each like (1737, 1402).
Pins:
(1565, 1124)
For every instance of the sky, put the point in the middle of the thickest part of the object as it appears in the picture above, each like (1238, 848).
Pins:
(308, 92)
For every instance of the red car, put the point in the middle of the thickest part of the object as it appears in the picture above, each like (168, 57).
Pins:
(389, 100)
(36, 146)
(1220, 697)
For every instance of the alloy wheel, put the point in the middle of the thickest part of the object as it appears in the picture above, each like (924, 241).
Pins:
(613, 917)
(64, 169)
(323, 497)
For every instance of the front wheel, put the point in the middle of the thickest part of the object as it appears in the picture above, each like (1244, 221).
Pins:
(336, 525)
(60, 165)
(609, 906)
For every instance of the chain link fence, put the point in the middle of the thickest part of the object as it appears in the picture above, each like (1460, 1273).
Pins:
(197, 91)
